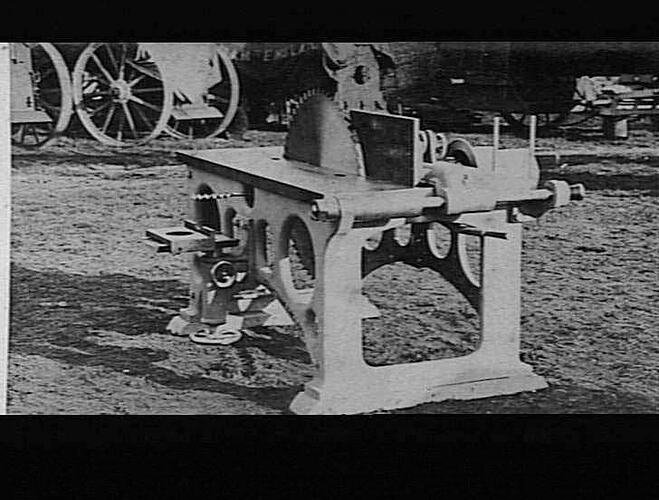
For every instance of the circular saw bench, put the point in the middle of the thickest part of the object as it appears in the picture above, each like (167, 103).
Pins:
(334, 185)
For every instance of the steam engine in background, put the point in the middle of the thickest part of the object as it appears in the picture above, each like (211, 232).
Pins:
(451, 80)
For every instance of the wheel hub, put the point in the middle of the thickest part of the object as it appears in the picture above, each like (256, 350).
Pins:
(121, 91)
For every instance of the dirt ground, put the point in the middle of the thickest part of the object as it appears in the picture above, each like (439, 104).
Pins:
(90, 302)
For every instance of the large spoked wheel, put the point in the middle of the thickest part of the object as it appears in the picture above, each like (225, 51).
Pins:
(52, 94)
(120, 94)
(222, 92)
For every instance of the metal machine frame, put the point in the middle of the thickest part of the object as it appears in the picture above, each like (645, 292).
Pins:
(403, 176)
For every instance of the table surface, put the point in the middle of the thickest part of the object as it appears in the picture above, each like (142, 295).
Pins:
(266, 168)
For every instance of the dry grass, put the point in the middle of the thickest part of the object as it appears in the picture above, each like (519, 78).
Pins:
(89, 302)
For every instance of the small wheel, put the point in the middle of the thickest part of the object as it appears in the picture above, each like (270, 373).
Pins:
(221, 92)
(51, 89)
(120, 94)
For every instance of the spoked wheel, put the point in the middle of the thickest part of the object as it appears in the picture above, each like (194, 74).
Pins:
(521, 122)
(31, 135)
(52, 94)
(221, 92)
(120, 94)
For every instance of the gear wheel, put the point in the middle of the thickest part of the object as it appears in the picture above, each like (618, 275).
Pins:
(356, 72)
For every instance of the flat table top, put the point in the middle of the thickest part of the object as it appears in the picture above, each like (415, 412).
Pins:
(266, 168)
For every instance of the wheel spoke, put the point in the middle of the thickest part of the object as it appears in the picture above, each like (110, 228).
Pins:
(122, 63)
(147, 90)
(100, 108)
(35, 134)
(89, 82)
(129, 118)
(22, 134)
(138, 100)
(144, 70)
(144, 117)
(105, 72)
(108, 49)
(108, 119)
(98, 93)
(120, 127)
(132, 83)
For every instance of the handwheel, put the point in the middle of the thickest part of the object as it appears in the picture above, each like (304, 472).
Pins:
(120, 94)
(52, 95)
(221, 91)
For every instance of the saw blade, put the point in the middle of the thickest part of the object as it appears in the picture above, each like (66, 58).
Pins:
(320, 135)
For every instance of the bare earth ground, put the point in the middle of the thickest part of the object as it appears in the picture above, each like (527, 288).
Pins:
(90, 302)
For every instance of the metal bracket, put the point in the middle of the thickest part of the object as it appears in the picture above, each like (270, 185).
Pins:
(190, 237)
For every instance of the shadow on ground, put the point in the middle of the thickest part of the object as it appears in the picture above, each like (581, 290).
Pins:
(55, 315)
(557, 398)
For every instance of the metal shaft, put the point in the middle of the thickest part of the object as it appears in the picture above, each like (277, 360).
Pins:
(532, 134)
(495, 141)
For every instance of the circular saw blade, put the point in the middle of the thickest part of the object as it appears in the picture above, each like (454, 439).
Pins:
(319, 135)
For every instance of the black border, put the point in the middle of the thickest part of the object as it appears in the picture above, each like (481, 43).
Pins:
(46, 433)
(384, 434)
(336, 21)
